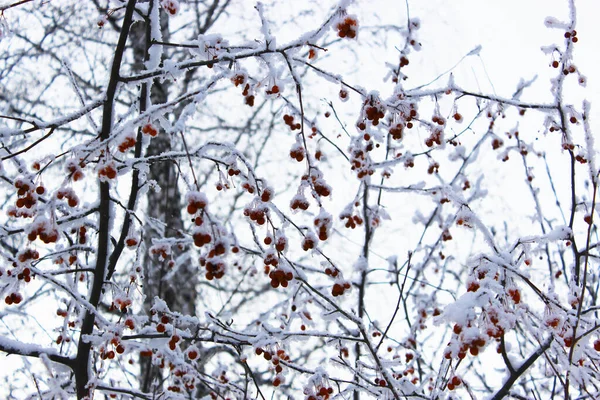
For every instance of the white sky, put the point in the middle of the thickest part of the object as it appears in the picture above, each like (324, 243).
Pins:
(511, 33)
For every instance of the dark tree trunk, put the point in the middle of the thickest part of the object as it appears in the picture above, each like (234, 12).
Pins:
(163, 216)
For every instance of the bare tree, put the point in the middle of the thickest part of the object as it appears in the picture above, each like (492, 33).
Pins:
(214, 213)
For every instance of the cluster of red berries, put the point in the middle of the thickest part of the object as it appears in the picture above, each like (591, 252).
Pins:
(214, 265)
(494, 329)
(409, 160)
(220, 186)
(380, 382)
(454, 382)
(320, 186)
(46, 234)
(299, 202)
(321, 393)
(162, 250)
(446, 235)
(338, 289)
(309, 241)
(129, 323)
(348, 28)
(75, 169)
(289, 121)
(119, 348)
(121, 304)
(71, 260)
(571, 69)
(13, 298)
(358, 158)
(421, 322)
(297, 152)
(270, 259)
(406, 372)
(323, 224)
(374, 113)
(353, 220)
(109, 171)
(182, 376)
(67, 339)
(396, 131)
(81, 234)
(69, 194)
(149, 130)
(20, 212)
(218, 249)
(572, 35)
(497, 143)
(515, 295)
(107, 354)
(24, 275)
(162, 326)
(248, 97)
(434, 168)
(473, 345)
(215, 268)
(279, 277)
(28, 254)
(553, 321)
(275, 359)
(435, 137)
(266, 194)
(233, 171)
(171, 6)
(173, 341)
(436, 119)
(239, 79)
(472, 285)
(174, 389)
(27, 198)
(196, 201)
(25, 187)
(127, 143)
(201, 238)
(359, 161)
(568, 146)
(256, 214)
(274, 90)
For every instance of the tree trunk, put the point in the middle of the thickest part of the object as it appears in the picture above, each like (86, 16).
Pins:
(163, 215)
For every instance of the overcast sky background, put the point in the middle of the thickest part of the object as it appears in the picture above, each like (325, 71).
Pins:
(511, 33)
